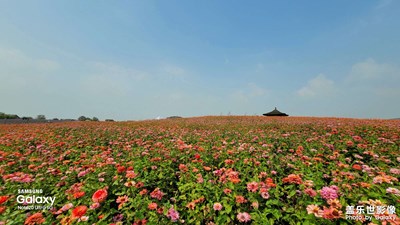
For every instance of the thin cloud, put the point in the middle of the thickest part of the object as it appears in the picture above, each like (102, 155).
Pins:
(17, 62)
(370, 70)
(318, 86)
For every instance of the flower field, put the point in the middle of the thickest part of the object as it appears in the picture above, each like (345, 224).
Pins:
(205, 170)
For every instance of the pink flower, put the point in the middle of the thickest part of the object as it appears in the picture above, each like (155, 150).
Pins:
(157, 194)
(130, 174)
(199, 178)
(310, 192)
(66, 207)
(217, 206)
(314, 209)
(152, 206)
(394, 171)
(95, 205)
(243, 217)
(329, 192)
(173, 214)
(394, 191)
(252, 186)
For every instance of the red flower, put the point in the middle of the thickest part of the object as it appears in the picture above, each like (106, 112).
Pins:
(2, 209)
(79, 194)
(197, 156)
(99, 196)
(79, 211)
(357, 167)
(3, 199)
(34, 219)
(121, 169)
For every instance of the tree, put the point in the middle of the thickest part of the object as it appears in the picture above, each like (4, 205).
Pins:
(95, 119)
(8, 116)
(40, 117)
(82, 118)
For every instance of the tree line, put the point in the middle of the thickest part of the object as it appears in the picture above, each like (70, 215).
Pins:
(43, 117)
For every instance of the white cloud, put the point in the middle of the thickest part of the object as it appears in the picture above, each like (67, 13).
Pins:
(318, 86)
(248, 92)
(371, 70)
(17, 62)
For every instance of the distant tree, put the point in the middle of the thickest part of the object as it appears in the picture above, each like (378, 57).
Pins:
(27, 118)
(8, 116)
(12, 116)
(95, 119)
(109, 120)
(55, 119)
(40, 117)
(82, 118)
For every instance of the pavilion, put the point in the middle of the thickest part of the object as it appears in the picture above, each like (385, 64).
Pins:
(275, 112)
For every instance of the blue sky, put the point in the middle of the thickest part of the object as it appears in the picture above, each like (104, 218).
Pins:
(132, 60)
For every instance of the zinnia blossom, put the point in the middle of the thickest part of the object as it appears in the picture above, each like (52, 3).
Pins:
(95, 205)
(122, 199)
(34, 219)
(243, 217)
(173, 214)
(79, 194)
(314, 209)
(331, 213)
(79, 211)
(329, 192)
(310, 192)
(252, 186)
(67, 206)
(394, 191)
(217, 206)
(130, 174)
(157, 194)
(3, 199)
(152, 206)
(99, 196)
(292, 179)
(240, 199)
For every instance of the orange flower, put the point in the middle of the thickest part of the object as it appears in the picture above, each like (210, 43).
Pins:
(292, 179)
(79, 194)
(191, 205)
(240, 199)
(314, 209)
(270, 182)
(206, 168)
(183, 168)
(79, 211)
(34, 219)
(152, 206)
(331, 213)
(357, 167)
(99, 196)
(234, 180)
